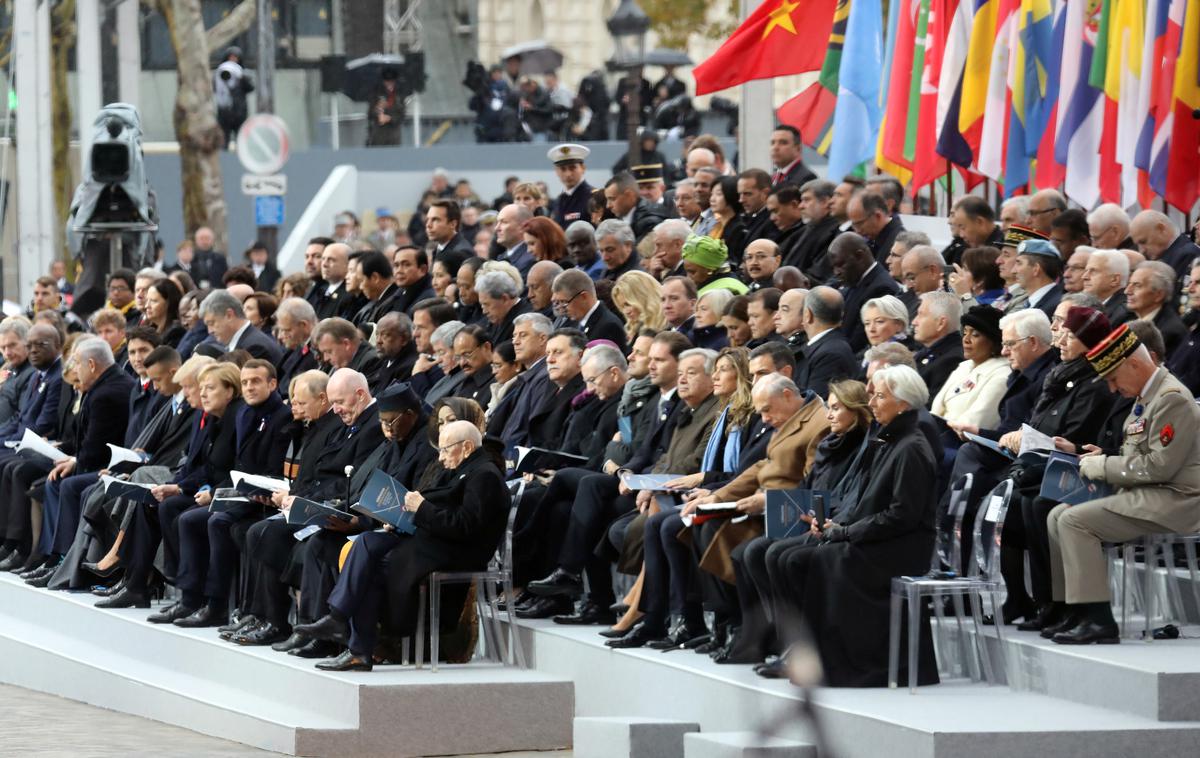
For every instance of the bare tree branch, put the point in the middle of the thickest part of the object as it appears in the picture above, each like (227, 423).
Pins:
(238, 21)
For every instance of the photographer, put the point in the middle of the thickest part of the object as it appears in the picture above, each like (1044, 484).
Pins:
(496, 118)
(386, 112)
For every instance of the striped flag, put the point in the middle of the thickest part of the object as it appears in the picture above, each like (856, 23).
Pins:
(927, 164)
(1183, 172)
(856, 120)
(950, 142)
(811, 111)
(1080, 106)
(1030, 85)
(1110, 170)
(1164, 98)
(1147, 118)
(892, 154)
(976, 74)
(998, 97)
(1049, 172)
(1122, 81)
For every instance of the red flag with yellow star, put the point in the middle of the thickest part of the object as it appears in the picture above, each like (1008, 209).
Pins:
(780, 38)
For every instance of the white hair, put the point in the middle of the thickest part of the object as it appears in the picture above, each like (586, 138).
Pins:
(218, 302)
(1162, 276)
(889, 305)
(719, 299)
(497, 284)
(18, 325)
(537, 322)
(673, 229)
(905, 383)
(1029, 322)
(1115, 262)
(615, 227)
(605, 357)
(709, 356)
(1021, 203)
(444, 335)
(775, 384)
(297, 309)
(1109, 214)
(945, 305)
(95, 349)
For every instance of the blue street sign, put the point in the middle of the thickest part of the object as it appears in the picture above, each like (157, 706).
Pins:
(268, 210)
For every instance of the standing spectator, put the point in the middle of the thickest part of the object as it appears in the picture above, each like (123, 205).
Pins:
(386, 113)
(231, 85)
(787, 164)
(569, 165)
(258, 257)
(208, 265)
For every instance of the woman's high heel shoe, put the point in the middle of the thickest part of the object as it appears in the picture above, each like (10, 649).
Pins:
(102, 573)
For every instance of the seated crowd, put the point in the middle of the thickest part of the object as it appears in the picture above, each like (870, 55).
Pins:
(752, 337)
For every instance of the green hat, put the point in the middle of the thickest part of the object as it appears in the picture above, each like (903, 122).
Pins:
(705, 252)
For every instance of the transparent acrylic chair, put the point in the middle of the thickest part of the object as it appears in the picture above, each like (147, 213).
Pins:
(982, 579)
(498, 572)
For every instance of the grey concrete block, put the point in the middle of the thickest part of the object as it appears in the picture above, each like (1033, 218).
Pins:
(743, 745)
(630, 737)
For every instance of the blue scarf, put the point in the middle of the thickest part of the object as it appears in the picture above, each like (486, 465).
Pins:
(729, 461)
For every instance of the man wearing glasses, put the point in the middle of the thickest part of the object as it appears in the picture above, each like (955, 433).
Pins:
(573, 295)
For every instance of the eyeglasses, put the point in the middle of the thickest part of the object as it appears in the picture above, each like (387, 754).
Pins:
(1010, 344)
(460, 357)
(556, 304)
(1032, 212)
(448, 448)
(389, 425)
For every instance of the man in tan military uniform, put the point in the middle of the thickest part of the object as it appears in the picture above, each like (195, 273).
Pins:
(1157, 475)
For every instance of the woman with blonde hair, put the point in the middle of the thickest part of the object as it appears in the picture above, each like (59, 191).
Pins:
(638, 296)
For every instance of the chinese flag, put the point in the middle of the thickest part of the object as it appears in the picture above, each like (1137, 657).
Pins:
(781, 37)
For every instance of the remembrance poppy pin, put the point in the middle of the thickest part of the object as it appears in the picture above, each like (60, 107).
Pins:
(1166, 435)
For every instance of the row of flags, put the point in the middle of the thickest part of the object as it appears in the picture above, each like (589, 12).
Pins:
(1098, 97)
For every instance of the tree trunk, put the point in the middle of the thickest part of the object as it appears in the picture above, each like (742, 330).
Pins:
(195, 117)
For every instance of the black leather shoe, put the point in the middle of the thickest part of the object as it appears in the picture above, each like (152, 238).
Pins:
(589, 614)
(347, 661)
(676, 637)
(205, 617)
(327, 628)
(776, 669)
(43, 579)
(15, 560)
(559, 584)
(100, 591)
(618, 608)
(265, 633)
(1088, 633)
(719, 636)
(1069, 622)
(546, 607)
(291, 643)
(126, 598)
(102, 573)
(38, 573)
(170, 613)
(240, 624)
(640, 636)
(1048, 614)
(317, 649)
(232, 634)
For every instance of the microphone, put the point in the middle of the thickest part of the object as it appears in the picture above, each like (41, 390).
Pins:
(349, 471)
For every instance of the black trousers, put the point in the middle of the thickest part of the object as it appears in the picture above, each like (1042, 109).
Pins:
(208, 555)
(17, 475)
(543, 516)
(669, 586)
(597, 503)
(265, 557)
(318, 557)
(719, 597)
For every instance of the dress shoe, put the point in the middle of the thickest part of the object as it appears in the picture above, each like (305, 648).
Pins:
(677, 635)
(1048, 614)
(347, 661)
(102, 573)
(560, 583)
(126, 598)
(5, 552)
(546, 607)
(327, 628)
(291, 643)
(230, 634)
(718, 639)
(774, 669)
(240, 623)
(521, 598)
(170, 613)
(15, 560)
(317, 649)
(737, 651)
(640, 636)
(618, 608)
(205, 617)
(1069, 621)
(588, 614)
(1089, 632)
(34, 572)
(43, 578)
(615, 634)
(102, 591)
(265, 633)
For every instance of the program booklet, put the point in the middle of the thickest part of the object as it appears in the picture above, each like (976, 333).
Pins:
(785, 508)
(1062, 482)
(531, 459)
(133, 490)
(311, 513)
(383, 500)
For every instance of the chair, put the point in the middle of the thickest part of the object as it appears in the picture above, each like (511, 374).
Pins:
(982, 578)
(1147, 595)
(499, 571)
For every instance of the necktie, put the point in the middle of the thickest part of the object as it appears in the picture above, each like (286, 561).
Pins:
(777, 178)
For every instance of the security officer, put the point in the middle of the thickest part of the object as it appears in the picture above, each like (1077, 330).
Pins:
(1157, 478)
(572, 204)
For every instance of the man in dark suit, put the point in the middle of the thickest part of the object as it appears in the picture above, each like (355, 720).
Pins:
(569, 165)
(936, 329)
(862, 278)
(441, 224)
(754, 187)
(787, 164)
(208, 265)
(258, 258)
(1105, 277)
(870, 217)
(103, 420)
(548, 422)
(1159, 239)
(509, 237)
(342, 346)
(295, 321)
(328, 295)
(809, 249)
(379, 285)
(509, 420)
(1148, 296)
(397, 351)
(574, 296)
(1037, 269)
(621, 195)
(226, 321)
(501, 302)
(38, 407)
(827, 356)
(412, 274)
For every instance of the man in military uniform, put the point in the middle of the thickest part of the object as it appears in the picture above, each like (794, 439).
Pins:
(572, 204)
(1157, 478)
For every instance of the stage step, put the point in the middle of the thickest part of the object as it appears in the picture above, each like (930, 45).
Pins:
(743, 745)
(629, 737)
(947, 721)
(59, 643)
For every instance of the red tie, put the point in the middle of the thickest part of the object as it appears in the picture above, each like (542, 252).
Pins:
(203, 418)
(778, 177)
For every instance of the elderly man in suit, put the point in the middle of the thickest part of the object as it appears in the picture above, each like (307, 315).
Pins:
(1157, 483)
(226, 321)
(574, 296)
(826, 355)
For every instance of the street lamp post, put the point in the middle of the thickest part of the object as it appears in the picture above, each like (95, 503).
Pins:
(628, 26)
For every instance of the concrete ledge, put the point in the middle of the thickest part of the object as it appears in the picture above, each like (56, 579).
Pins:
(743, 745)
(630, 737)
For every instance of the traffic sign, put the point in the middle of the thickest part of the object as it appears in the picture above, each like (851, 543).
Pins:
(262, 144)
(253, 184)
(268, 210)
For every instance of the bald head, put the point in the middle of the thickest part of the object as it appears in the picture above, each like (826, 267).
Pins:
(698, 158)
(240, 291)
(789, 317)
(1152, 232)
(349, 394)
(538, 283)
(335, 259)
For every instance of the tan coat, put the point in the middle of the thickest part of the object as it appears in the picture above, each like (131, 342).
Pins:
(789, 457)
(1158, 471)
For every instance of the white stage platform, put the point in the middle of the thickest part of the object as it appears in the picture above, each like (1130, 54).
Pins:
(1136, 698)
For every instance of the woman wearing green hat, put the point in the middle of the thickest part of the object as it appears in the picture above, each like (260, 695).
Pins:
(706, 261)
